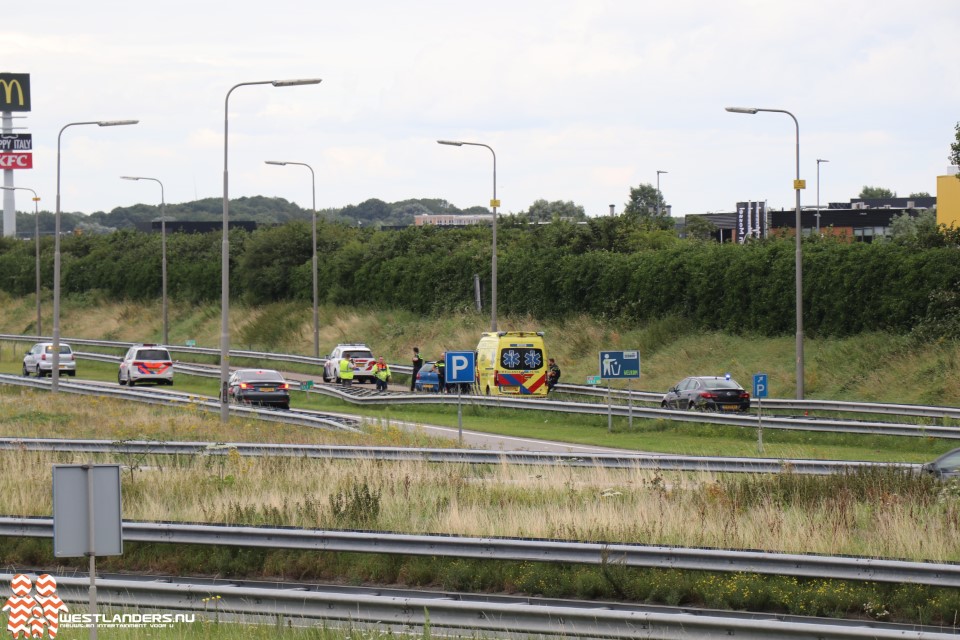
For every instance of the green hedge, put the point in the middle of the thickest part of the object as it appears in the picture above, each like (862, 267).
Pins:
(610, 267)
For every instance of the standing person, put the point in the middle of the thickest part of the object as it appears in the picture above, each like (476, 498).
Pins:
(382, 373)
(417, 365)
(346, 371)
(553, 375)
(440, 368)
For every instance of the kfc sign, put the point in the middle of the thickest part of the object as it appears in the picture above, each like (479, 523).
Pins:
(16, 161)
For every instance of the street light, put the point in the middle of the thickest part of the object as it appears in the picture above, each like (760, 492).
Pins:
(797, 185)
(818, 193)
(225, 250)
(55, 365)
(163, 251)
(659, 197)
(313, 186)
(494, 203)
(36, 219)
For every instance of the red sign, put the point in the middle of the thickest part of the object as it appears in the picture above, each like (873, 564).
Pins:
(16, 161)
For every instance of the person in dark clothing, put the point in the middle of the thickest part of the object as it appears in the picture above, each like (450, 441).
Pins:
(440, 368)
(553, 375)
(417, 365)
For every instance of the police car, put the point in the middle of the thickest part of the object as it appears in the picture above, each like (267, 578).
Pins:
(146, 363)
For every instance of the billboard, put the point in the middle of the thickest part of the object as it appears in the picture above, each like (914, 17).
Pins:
(16, 141)
(14, 91)
(751, 220)
(16, 161)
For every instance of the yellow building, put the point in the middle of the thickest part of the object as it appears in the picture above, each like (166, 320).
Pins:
(948, 200)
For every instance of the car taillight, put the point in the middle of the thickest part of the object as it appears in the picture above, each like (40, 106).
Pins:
(244, 385)
(285, 385)
(168, 364)
(707, 394)
(744, 396)
(43, 357)
(137, 363)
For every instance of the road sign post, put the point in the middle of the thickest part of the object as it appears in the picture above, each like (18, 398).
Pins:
(86, 517)
(461, 369)
(760, 392)
(619, 365)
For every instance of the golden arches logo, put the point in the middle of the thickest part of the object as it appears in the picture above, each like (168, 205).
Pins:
(8, 88)
(14, 92)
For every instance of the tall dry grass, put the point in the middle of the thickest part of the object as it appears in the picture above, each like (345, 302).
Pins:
(504, 500)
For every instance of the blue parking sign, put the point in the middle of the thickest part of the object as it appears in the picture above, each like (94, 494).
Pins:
(461, 367)
(760, 385)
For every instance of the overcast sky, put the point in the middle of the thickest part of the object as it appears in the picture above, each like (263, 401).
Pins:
(580, 99)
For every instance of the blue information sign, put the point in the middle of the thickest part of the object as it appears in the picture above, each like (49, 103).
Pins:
(619, 365)
(760, 385)
(461, 367)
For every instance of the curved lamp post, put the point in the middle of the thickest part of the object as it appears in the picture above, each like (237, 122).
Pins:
(494, 203)
(163, 251)
(797, 185)
(36, 219)
(55, 370)
(313, 186)
(225, 245)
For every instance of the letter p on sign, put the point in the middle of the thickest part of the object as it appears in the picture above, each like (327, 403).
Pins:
(461, 366)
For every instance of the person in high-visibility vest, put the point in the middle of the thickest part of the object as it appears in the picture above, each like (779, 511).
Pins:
(382, 373)
(346, 371)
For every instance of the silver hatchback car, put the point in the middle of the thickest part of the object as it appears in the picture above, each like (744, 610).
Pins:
(39, 360)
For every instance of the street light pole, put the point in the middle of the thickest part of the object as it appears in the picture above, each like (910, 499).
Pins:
(225, 244)
(659, 196)
(494, 203)
(797, 185)
(163, 252)
(55, 365)
(818, 193)
(316, 315)
(36, 234)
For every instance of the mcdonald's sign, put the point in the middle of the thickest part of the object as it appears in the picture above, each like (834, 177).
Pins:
(14, 91)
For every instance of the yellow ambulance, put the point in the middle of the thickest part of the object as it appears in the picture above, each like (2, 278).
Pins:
(512, 363)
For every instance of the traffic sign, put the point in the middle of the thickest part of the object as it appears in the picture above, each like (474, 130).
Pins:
(306, 385)
(619, 365)
(461, 367)
(760, 385)
(593, 379)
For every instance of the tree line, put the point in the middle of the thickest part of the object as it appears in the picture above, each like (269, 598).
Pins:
(619, 267)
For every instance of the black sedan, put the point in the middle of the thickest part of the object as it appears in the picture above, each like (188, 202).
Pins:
(707, 393)
(259, 386)
(946, 467)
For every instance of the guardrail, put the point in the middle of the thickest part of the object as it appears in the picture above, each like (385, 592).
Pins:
(445, 613)
(523, 549)
(649, 397)
(658, 462)
(175, 399)
(530, 404)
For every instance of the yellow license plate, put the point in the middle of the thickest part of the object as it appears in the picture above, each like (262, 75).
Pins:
(731, 407)
(267, 389)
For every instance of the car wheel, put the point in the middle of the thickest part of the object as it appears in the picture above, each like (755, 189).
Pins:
(72, 374)
(326, 378)
(39, 372)
(285, 407)
(130, 381)
(691, 406)
(26, 372)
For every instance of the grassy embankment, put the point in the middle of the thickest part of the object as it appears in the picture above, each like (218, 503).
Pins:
(881, 515)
